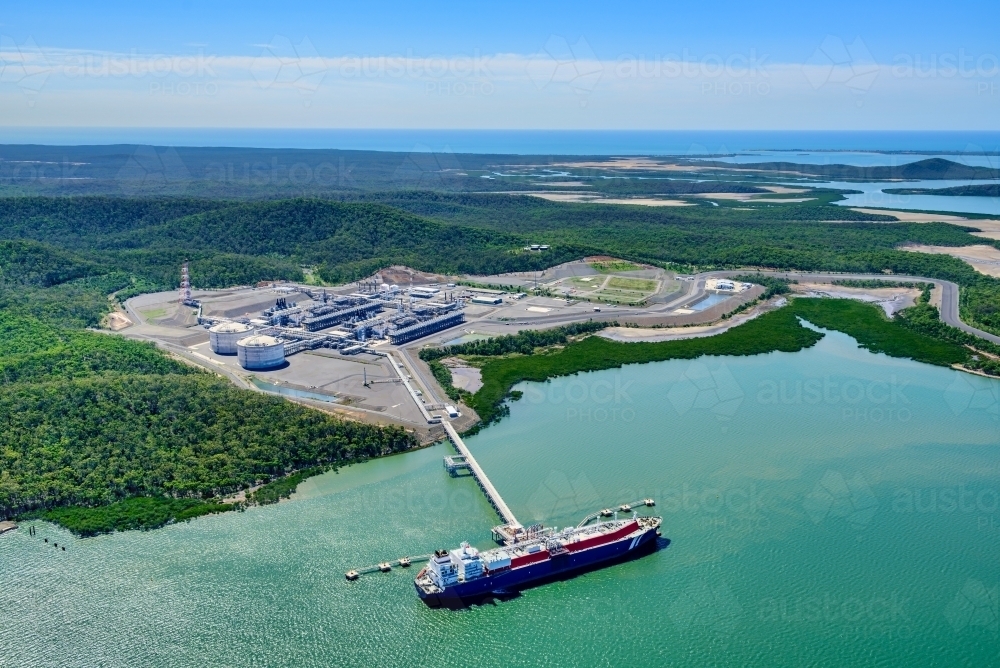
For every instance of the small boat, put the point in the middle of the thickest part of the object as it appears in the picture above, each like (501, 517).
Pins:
(351, 575)
(385, 567)
(404, 562)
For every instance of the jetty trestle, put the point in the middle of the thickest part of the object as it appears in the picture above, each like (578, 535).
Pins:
(403, 562)
(624, 508)
(456, 463)
(468, 461)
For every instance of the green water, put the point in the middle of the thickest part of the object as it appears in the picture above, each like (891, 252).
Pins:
(852, 523)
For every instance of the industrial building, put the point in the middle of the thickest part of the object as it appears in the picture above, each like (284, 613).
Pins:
(260, 352)
(424, 293)
(347, 323)
(426, 328)
(323, 318)
(224, 336)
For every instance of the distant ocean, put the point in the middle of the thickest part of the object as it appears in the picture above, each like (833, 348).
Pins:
(537, 142)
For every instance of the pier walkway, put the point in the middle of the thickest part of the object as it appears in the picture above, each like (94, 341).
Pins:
(492, 495)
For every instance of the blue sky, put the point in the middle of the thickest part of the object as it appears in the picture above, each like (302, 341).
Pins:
(645, 65)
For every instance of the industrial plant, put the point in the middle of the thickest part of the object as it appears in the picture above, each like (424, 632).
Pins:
(349, 323)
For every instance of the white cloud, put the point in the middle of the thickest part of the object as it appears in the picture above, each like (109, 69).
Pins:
(739, 91)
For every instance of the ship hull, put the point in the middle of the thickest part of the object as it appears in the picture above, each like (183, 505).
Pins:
(512, 581)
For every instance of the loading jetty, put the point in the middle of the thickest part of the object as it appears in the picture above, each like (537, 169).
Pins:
(527, 553)
(508, 532)
(511, 528)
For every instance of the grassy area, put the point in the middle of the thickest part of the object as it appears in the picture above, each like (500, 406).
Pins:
(620, 297)
(778, 330)
(614, 266)
(154, 314)
(143, 512)
(640, 284)
(586, 281)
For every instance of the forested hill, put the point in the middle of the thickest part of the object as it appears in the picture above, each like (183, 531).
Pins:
(93, 421)
(77, 246)
(977, 190)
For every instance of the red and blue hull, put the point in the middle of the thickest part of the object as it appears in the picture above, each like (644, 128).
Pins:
(568, 563)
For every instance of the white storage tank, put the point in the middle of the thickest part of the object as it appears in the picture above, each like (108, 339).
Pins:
(260, 352)
(224, 336)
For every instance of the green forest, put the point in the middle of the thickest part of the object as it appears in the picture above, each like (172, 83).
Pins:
(93, 421)
(84, 245)
(104, 434)
(916, 333)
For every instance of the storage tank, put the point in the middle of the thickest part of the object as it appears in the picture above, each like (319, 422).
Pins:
(224, 336)
(260, 352)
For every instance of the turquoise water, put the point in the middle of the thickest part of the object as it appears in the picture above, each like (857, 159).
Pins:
(708, 302)
(828, 507)
(466, 338)
(292, 392)
(871, 195)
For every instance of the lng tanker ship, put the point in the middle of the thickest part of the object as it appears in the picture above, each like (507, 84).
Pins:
(531, 556)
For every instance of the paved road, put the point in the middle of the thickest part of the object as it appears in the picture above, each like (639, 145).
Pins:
(429, 384)
(696, 287)
(949, 292)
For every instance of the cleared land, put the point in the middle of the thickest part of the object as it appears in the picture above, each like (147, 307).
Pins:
(640, 284)
(990, 228)
(589, 198)
(611, 265)
(984, 259)
(752, 197)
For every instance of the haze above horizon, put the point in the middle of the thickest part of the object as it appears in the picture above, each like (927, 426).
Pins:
(644, 66)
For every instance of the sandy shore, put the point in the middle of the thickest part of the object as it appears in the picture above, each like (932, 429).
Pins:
(631, 164)
(653, 334)
(588, 198)
(990, 228)
(752, 197)
(984, 259)
(890, 299)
